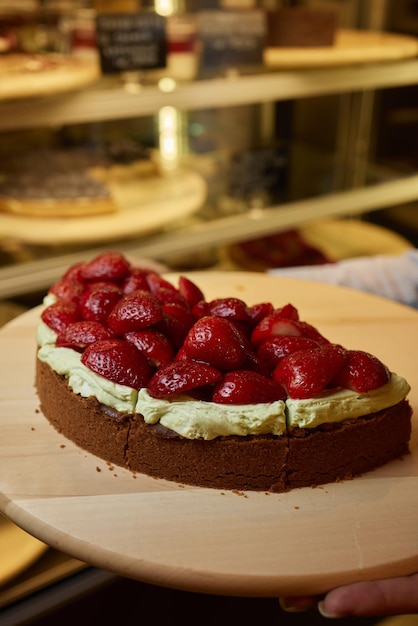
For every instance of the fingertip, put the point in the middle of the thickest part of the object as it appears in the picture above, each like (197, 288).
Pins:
(326, 613)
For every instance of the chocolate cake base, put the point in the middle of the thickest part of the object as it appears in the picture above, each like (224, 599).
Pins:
(300, 458)
(332, 452)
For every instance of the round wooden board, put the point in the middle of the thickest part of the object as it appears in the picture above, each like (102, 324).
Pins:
(350, 47)
(144, 206)
(34, 75)
(228, 543)
(337, 239)
(341, 239)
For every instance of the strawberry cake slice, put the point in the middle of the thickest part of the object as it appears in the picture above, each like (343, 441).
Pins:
(217, 393)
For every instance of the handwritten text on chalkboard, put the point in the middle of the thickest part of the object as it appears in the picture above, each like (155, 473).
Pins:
(131, 41)
(232, 37)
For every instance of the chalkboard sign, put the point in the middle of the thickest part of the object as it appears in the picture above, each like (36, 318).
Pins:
(259, 173)
(131, 41)
(231, 38)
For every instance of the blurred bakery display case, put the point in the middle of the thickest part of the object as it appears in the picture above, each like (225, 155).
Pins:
(234, 154)
(308, 157)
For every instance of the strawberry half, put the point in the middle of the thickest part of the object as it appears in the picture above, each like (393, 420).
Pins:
(274, 349)
(67, 290)
(59, 314)
(112, 266)
(135, 311)
(73, 273)
(288, 311)
(118, 361)
(176, 323)
(312, 333)
(155, 346)
(190, 291)
(201, 308)
(170, 296)
(79, 335)
(362, 372)
(98, 300)
(216, 341)
(136, 280)
(306, 373)
(181, 376)
(157, 282)
(233, 309)
(247, 387)
(274, 325)
(258, 311)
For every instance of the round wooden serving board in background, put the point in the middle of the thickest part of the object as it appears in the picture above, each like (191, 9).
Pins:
(248, 543)
(44, 74)
(357, 47)
(144, 207)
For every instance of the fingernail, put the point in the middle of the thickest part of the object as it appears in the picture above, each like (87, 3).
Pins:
(325, 613)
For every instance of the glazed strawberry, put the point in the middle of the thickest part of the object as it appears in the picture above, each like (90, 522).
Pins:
(176, 323)
(274, 349)
(247, 387)
(216, 341)
(156, 281)
(98, 300)
(167, 296)
(306, 373)
(73, 273)
(258, 311)
(155, 346)
(312, 333)
(362, 372)
(190, 291)
(67, 290)
(275, 325)
(59, 314)
(135, 311)
(136, 280)
(181, 355)
(288, 311)
(251, 360)
(233, 309)
(118, 361)
(79, 335)
(110, 266)
(180, 377)
(201, 308)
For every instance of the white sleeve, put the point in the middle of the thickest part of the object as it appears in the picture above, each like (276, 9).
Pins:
(393, 277)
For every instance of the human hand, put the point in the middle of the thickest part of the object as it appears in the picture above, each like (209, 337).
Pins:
(392, 596)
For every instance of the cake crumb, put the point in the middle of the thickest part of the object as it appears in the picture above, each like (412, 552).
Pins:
(32, 428)
(296, 507)
(240, 493)
(62, 445)
(98, 469)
